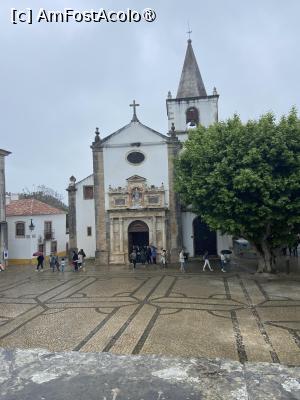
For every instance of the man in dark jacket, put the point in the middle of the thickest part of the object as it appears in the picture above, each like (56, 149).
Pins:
(40, 261)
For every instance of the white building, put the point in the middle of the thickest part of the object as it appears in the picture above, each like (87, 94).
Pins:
(130, 199)
(86, 220)
(34, 226)
(3, 223)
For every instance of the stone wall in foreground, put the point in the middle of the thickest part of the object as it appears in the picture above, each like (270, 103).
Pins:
(38, 374)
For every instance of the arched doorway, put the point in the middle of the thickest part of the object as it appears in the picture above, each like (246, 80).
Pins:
(138, 235)
(204, 238)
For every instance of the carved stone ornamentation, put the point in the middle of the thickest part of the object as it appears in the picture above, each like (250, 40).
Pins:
(140, 201)
(137, 194)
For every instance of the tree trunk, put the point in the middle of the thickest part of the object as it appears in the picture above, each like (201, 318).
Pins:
(264, 254)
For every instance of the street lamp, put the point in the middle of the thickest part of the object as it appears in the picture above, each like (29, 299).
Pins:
(31, 226)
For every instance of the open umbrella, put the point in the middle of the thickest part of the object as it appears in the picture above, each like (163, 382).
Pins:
(37, 253)
(226, 252)
(242, 241)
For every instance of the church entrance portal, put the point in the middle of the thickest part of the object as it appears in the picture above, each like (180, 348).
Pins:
(204, 238)
(138, 235)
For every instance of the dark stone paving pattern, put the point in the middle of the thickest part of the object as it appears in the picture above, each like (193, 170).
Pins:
(33, 374)
(238, 316)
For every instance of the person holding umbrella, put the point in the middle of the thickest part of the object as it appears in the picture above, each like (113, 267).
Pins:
(40, 261)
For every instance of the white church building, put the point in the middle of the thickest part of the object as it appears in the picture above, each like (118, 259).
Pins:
(129, 199)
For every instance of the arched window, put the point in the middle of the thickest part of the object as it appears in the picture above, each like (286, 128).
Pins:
(192, 116)
(20, 229)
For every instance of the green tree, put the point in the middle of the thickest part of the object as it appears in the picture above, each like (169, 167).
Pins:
(46, 195)
(244, 180)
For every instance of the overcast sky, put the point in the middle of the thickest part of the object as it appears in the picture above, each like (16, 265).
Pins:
(60, 81)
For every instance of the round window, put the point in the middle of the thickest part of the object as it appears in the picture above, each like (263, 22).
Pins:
(135, 157)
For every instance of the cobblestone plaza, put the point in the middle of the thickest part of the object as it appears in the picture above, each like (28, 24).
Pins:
(239, 315)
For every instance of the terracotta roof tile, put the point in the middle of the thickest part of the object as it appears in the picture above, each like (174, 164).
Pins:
(30, 207)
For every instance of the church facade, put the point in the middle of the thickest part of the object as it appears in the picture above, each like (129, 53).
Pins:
(129, 199)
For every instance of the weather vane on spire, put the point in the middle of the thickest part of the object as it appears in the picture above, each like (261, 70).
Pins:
(189, 31)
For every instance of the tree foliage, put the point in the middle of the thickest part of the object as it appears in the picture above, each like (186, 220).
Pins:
(244, 179)
(46, 195)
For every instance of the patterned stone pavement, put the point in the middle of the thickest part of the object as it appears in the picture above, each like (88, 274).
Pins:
(238, 315)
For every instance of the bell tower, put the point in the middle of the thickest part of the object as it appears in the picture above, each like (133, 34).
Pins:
(192, 105)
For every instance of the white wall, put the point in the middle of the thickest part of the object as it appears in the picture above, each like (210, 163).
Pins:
(208, 112)
(23, 248)
(224, 242)
(85, 216)
(154, 168)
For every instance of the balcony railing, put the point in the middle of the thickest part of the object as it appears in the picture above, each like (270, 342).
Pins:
(48, 235)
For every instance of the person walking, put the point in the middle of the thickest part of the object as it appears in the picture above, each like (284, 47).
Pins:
(80, 260)
(52, 261)
(133, 258)
(75, 260)
(206, 261)
(163, 258)
(62, 264)
(143, 255)
(57, 263)
(82, 253)
(182, 261)
(40, 261)
(153, 254)
(149, 255)
(223, 262)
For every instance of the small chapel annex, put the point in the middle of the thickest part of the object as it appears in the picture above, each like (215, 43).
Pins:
(129, 199)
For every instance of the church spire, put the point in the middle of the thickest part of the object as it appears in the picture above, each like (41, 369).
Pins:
(191, 84)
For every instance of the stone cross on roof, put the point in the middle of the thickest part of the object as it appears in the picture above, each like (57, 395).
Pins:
(134, 105)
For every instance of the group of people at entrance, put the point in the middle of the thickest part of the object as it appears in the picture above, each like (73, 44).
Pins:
(147, 254)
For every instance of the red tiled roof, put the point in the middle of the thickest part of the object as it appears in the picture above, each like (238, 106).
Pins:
(30, 207)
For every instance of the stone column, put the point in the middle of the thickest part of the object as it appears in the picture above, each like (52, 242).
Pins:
(174, 218)
(121, 235)
(102, 252)
(111, 235)
(3, 223)
(164, 232)
(154, 231)
(72, 216)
